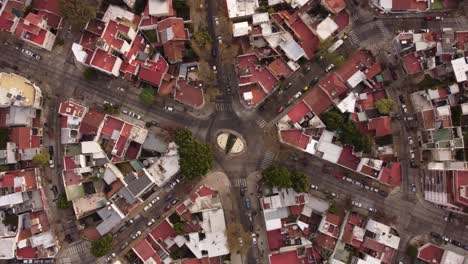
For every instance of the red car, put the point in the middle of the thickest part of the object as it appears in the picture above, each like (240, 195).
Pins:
(428, 18)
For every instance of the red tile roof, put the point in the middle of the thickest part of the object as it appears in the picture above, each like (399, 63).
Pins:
(333, 85)
(144, 250)
(325, 241)
(381, 125)
(103, 60)
(428, 119)
(162, 231)
(123, 138)
(91, 122)
(189, 94)
(372, 98)
(348, 159)
(21, 136)
(69, 163)
(167, 87)
(430, 253)
(52, 6)
(352, 65)
(402, 5)
(335, 6)
(298, 112)
(318, 100)
(375, 69)
(391, 174)
(460, 186)
(7, 17)
(153, 71)
(333, 219)
(174, 50)
(285, 257)
(261, 75)
(111, 124)
(461, 39)
(411, 63)
(279, 68)
(307, 40)
(172, 27)
(206, 191)
(26, 253)
(110, 34)
(295, 137)
(7, 180)
(71, 177)
(34, 19)
(342, 20)
(258, 94)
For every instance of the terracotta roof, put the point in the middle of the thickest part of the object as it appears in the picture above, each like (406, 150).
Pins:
(298, 112)
(333, 219)
(153, 71)
(144, 250)
(403, 5)
(280, 68)
(318, 100)
(336, 6)
(295, 137)
(189, 94)
(430, 253)
(91, 122)
(325, 241)
(33, 19)
(21, 136)
(333, 86)
(460, 186)
(381, 125)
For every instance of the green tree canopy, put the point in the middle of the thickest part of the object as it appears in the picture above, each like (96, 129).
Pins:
(62, 202)
(90, 74)
(179, 228)
(384, 106)
(147, 96)
(41, 158)
(102, 246)
(332, 119)
(349, 134)
(196, 158)
(300, 182)
(78, 12)
(202, 37)
(4, 137)
(277, 176)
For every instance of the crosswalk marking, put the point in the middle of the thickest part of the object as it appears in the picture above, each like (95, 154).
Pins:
(382, 28)
(267, 159)
(194, 126)
(354, 38)
(65, 261)
(223, 107)
(355, 17)
(239, 182)
(76, 248)
(260, 121)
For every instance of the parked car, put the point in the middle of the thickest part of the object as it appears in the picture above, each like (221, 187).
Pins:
(288, 86)
(136, 235)
(151, 222)
(410, 140)
(314, 187)
(435, 235)
(254, 239)
(169, 108)
(125, 111)
(51, 162)
(356, 204)
(247, 202)
(314, 81)
(457, 243)
(333, 194)
(330, 67)
(214, 52)
(446, 239)
(413, 187)
(147, 207)
(297, 95)
(120, 89)
(373, 210)
(155, 200)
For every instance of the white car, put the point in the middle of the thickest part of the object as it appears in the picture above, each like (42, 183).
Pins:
(366, 187)
(169, 108)
(330, 68)
(137, 116)
(125, 111)
(254, 239)
(51, 163)
(314, 187)
(121, 89)
(137, 234)
(373, 210)
(147, 207)
(151, 222)
(356, 204)
(220, 40)
(410, 140)
(297, 95)
(155, 200)
(214, 68)
(333, 194)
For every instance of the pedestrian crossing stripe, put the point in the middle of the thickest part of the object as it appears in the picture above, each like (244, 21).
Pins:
(240, 182)
(267, 159)
(223, 107)
(260, 121)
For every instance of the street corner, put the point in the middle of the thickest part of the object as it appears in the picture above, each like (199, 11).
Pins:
(218, 180)
(255, 176)
(205, 112)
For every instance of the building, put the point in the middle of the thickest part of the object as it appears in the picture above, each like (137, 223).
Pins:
(241, 8)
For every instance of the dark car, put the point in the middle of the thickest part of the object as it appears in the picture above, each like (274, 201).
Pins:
(435, 235)
(314, 81)
(214, 52)
(457, 243)
(51, 151)
(402, 99)
(382, 193)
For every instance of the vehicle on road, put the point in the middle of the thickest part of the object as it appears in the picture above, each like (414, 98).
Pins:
(435, 235)
(136, 235)
(333, 194)
(155, 200)
(413, 187)
(314, 187)
(457, 243)
(357, 204)
(147, 207)
(373, 210)
(288, 86)
(330, 67)
(247, 202)
(51, 162)
(169, 108)
(30, 54)
(151, 222)
(214, 52)
(124, 245)
(280, 109)
(446, 239)
(314, 81)
(254, 239)
(410, 140)
(120, 89)
(297, 95)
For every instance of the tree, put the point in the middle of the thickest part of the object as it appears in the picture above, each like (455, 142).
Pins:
(332, 208)
(237, 239)
(411, 251)
(277, 176)
(147, 96)
(62, 201)
(90, 74)
(77, 12)
(4, 137)
(384, 106)
(202, 37)
(179, 228)
(41, 158)
(196, 158)
(102, 246)
(332, 119)
(204, 72)
(300, 182)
